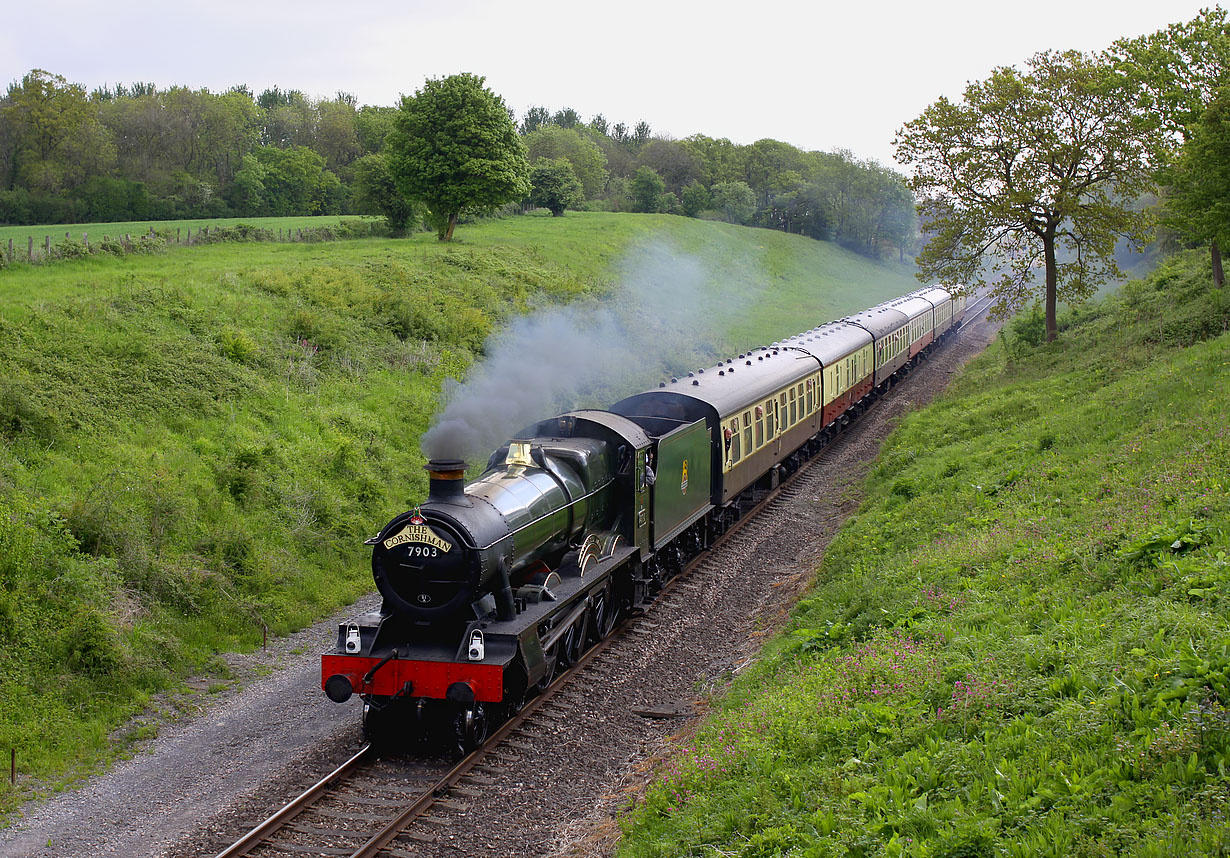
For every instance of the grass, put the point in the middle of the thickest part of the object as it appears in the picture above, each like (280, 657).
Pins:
(20, 234)
(1020, 645)
(195, 443)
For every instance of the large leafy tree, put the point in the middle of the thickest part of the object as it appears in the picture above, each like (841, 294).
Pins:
(646, 189)
(454, 147)
(1033, 168)
(1180, 70)
(1199, 201)
(555, 186)
(54, 140)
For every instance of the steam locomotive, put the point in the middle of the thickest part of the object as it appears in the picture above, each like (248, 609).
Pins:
(491, 588)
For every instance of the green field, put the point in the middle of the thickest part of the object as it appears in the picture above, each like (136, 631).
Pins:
(193, 444)
(1020, 645)
(20, 234)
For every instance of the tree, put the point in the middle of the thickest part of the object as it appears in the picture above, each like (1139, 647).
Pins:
(290, 181)
(454, 147)
(695, 199)
(56, 140)
(672, 161)
(1181, 68)
(535, 118)
(1199, 201)
(336, 136)
(1030, 165)
(646, 188)
(554, 186)
(735, 200)
(719, 159)
(566, 118)
(376, 193)
(588, 163)
(372, 125)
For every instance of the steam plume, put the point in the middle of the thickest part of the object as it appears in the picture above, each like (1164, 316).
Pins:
(663, 317)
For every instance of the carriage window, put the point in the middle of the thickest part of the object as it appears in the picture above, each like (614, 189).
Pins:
(794, 414)
(769, 420)
(736, 449)
(747, 431)
(811, 386)
(759, 427)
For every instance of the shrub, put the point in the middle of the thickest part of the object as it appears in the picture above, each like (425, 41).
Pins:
(237, 346)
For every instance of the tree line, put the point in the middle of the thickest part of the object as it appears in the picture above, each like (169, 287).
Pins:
(139, 152)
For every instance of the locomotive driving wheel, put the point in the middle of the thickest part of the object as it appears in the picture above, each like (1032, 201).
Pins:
(470, 728)
(572, 644)
(604, 613)
(551, 657)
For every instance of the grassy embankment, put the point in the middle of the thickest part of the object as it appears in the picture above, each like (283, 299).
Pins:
(195, 443)
(19, 234)
(1020, 645)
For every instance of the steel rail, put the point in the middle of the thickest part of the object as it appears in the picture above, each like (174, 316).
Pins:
(310, 796)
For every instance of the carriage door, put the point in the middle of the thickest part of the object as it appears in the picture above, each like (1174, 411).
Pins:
(777, 429)
(640, 502)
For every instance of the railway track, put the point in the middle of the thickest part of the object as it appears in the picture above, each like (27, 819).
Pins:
(373, 805)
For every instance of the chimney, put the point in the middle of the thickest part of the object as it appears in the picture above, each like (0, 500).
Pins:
(446, 480)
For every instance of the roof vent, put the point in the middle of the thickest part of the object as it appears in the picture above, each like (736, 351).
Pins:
(691, 375)
(749, 363)
(674, 379)
(701, 371)
(721, 372)
(696, 382)
(661, 384)
(759, 358)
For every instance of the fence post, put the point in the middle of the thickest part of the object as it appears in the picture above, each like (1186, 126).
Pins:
(10, 251)
(85, 239)
(46, 245)
(177, 235)
(13, 766)
(68, 236)
(29, 248)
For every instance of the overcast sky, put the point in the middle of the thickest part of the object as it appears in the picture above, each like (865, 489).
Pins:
(819, 75)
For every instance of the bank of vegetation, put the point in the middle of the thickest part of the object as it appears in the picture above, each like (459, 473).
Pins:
(1020, 644)
(194, 445)
(69, 154)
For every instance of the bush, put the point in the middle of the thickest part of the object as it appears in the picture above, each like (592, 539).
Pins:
(237, 346)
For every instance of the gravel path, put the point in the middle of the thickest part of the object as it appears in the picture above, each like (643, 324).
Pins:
(206, 779)
(276, 727)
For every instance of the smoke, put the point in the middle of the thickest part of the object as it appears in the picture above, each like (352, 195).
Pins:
(666, 315)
